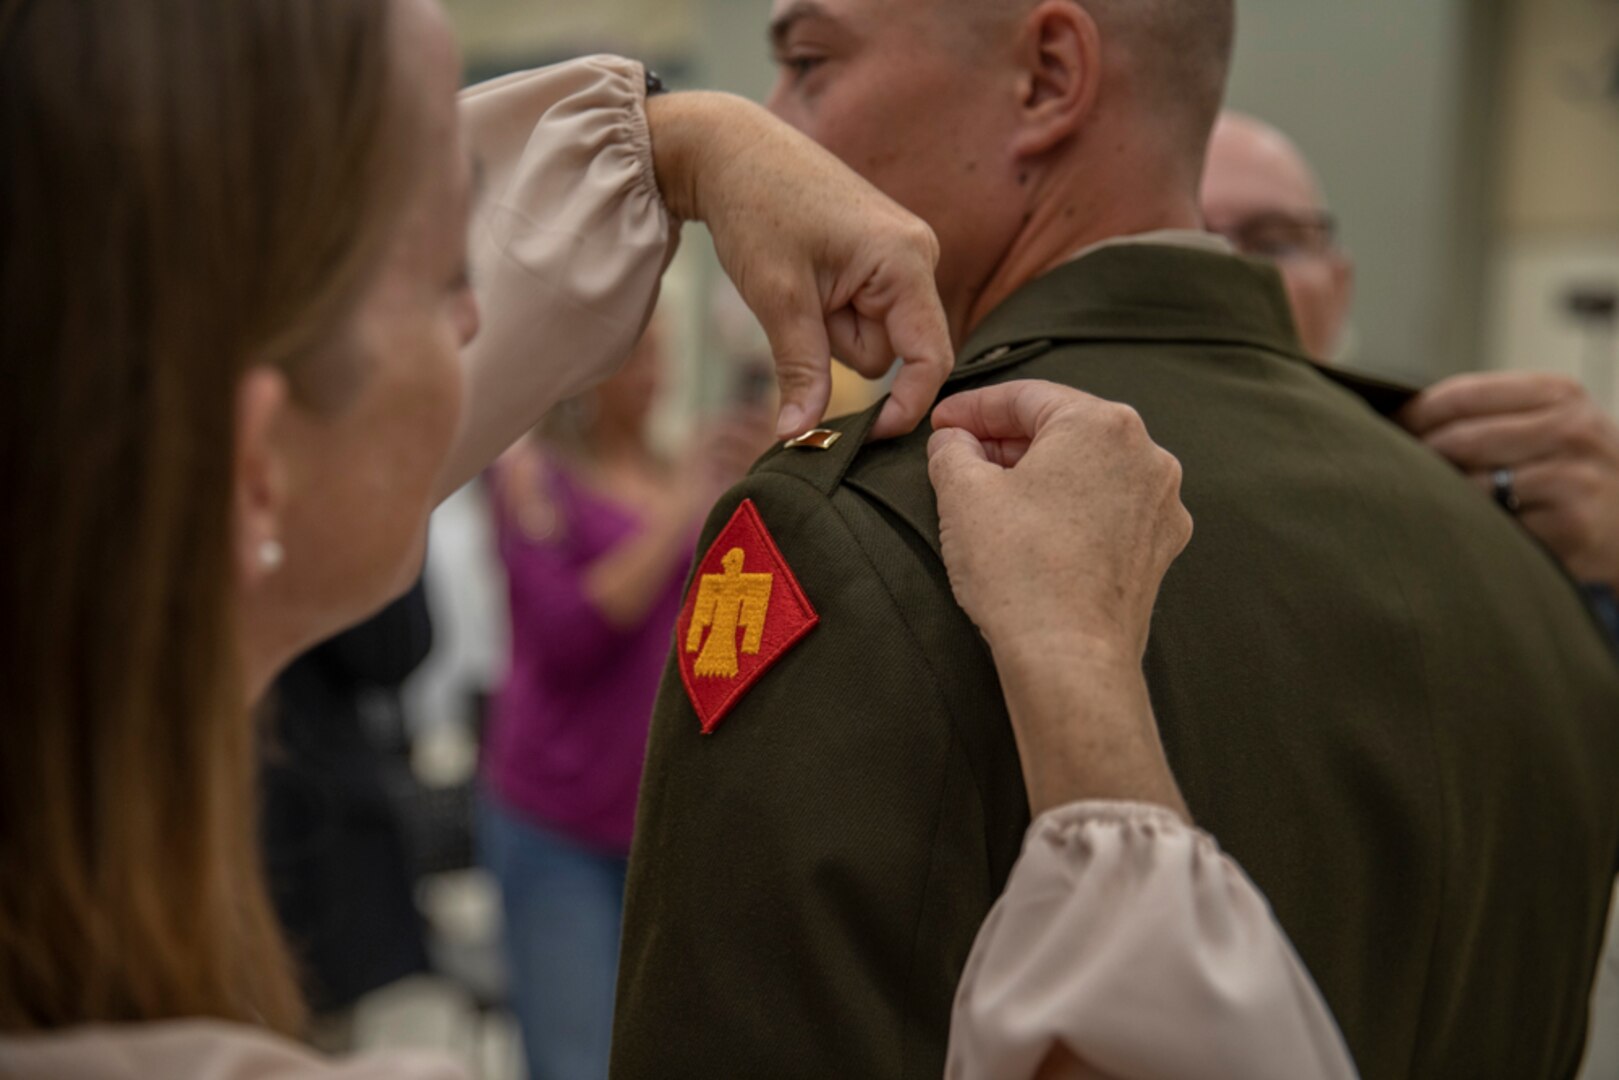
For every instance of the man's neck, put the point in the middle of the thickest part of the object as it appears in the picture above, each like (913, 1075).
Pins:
(1060, 226)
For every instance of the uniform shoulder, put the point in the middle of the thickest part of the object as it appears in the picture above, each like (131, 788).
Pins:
(825, 455)
(841, 449)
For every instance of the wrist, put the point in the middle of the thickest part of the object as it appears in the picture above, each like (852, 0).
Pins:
(689, 130)
(1033, 654)
(1083, 722)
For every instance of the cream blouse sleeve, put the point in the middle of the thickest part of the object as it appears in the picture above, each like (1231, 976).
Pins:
(1133, 942)
(570, 238)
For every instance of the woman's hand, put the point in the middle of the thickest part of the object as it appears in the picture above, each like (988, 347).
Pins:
(1059, 517)
(831, 266)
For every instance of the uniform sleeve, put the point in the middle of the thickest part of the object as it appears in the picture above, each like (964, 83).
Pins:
(1132, 941)
(569, 240)
(806, 881)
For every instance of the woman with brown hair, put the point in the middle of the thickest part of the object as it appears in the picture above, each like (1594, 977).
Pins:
(233, 286)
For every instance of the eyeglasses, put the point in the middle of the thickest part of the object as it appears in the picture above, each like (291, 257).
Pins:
(1280, 236)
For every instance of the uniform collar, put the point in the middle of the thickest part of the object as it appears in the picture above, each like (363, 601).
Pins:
(1195, 239)
(1144, 291)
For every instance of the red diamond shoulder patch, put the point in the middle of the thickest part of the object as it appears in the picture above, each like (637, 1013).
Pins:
(745, 611)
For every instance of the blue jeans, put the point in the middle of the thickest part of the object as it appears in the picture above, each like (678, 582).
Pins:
(563, 905)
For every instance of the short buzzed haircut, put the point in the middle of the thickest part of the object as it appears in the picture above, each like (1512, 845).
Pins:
(1179, 52)
(1181, 47)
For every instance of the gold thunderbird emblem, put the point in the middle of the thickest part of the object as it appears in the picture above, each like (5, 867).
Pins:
(725, 603)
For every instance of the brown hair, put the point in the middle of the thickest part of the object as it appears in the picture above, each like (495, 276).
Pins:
(190, 188)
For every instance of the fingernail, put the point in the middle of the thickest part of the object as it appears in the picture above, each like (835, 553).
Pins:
(789, 422)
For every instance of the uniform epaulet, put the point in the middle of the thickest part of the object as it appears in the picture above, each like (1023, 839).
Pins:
(824, 455)
(993, 360)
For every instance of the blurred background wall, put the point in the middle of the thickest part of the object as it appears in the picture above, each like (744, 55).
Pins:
(500, 35)
(1379, 94)
(1555, 218)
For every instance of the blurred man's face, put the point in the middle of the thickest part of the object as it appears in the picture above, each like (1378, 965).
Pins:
(905, 98)
(1260, 194)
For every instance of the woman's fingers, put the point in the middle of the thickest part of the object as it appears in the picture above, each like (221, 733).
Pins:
(861, 344)
(1008, 411)
(1076, 486)
(917, 328)
(954, 455)
(803, 353)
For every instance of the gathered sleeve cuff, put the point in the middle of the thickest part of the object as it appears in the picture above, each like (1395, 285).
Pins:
(570, 235)
(1134, 943)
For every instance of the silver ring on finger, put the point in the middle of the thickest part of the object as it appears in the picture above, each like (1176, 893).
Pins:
(1504, 483)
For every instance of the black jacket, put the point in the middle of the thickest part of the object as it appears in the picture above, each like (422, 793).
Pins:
(336, 856)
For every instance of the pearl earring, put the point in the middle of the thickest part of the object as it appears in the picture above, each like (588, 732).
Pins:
(272, 555)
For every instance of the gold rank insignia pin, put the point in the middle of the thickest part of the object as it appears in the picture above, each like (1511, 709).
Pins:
(818, 439)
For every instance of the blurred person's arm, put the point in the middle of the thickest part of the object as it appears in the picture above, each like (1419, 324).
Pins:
(546, 571)
(1126, 943)
(584, 186)
(624, 583)
(1562, 449)
(618, 587)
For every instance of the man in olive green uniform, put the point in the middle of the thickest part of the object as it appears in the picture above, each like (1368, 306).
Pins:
(1379, 694)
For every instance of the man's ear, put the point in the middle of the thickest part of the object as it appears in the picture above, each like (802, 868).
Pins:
(260, 476)
(1061, 56)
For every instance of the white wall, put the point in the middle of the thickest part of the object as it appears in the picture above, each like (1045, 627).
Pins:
(524, 29)
(1375, 92)
(1556, 216)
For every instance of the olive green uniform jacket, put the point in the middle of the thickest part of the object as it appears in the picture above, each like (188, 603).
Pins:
(1380, 695)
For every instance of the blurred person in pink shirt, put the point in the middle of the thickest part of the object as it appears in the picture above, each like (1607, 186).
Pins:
(596, 532)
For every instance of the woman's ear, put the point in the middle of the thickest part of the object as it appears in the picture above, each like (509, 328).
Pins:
(1061, 56)
(260, 475)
